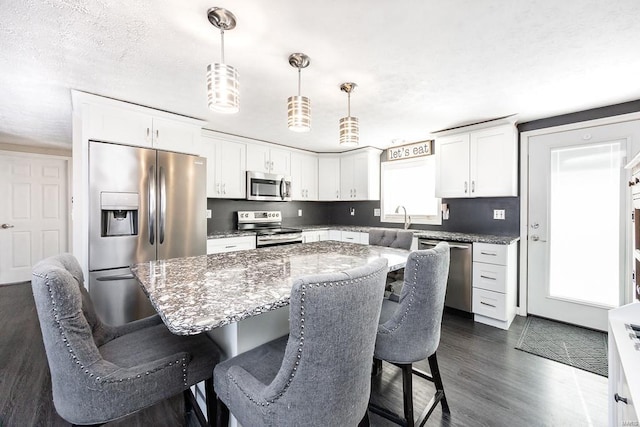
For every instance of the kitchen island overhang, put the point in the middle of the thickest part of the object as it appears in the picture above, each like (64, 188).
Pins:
(202, 293)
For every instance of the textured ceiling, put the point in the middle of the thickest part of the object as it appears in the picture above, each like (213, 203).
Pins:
(420, 65)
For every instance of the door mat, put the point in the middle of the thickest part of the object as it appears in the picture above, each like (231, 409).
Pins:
(581, 348)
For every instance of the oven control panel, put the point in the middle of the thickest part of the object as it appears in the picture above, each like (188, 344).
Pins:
(259, 216)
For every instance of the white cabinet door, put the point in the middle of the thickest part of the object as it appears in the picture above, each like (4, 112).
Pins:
(172, 135)
(280, 161)
(347, 178)
(258, 158)
(360, 176)
(304, 176)
(226, 175)
(493, 162)
(110, 124)
(481, 163)
(452, 166)
(329, 178)
(230, 169)
(262, 158)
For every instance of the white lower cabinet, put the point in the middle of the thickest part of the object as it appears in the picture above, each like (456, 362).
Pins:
(315, 236)
(494, 284)
(624, 359)
(230, 244)
(354, 237)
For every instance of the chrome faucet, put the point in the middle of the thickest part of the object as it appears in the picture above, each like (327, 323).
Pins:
(407, 219)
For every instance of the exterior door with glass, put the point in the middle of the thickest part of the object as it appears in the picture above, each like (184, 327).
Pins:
(577, 223)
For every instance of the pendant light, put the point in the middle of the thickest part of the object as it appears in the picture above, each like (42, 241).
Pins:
(223, 88)
(299, 107)
(349, 130)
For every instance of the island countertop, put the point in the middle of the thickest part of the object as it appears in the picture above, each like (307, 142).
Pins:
(197, 294)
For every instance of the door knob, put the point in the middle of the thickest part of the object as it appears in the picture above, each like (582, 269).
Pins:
(535, 225)
(536, 238)
(6, 226)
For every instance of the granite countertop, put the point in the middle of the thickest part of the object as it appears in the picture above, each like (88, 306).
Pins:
(197, 294)
(426, 234)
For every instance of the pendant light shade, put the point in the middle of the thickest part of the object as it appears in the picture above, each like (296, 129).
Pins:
(349, 128)
(223, 86)
(299, 107)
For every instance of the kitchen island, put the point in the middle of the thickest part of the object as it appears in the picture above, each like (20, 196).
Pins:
(201, 293)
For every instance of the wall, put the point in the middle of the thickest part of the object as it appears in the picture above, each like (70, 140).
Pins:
(466, 215)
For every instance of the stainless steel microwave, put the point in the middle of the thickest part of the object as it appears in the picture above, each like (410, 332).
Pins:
(268, 187)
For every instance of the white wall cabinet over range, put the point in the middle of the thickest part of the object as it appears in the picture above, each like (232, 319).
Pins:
(230, 244)
(477, 162)
(360, 175)
(263, 158)
(328, 177)
(226, 173)
(142, 127)
(494, 283)
(304, 176)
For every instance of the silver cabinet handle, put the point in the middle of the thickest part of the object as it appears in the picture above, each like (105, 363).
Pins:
(152, 204)
(218, 188)
(473, 186)
(230, 246)
(488, 253)
(619, 398)
(465, 187)
(5, 226)
(337, 194)
(224, 188)
(163, 204)
(486, 303)
(487, 277)
(157, 134)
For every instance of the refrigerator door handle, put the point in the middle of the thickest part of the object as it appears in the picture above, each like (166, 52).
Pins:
(163, 205)
(152, 204)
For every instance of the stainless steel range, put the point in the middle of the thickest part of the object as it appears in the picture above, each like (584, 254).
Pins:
(268, 228)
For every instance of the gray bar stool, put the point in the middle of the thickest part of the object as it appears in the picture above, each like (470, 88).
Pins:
(409, 330)
(100, 373)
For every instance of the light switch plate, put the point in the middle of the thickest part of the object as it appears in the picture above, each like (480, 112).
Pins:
(209, 214)
(376, 212)
(352, 211)
(299, 212)
(498, 214)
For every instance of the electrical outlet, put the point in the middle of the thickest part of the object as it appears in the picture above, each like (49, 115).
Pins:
(299, 212)
(376, 212)
(209, 214)
(498, 214)
(352, 211)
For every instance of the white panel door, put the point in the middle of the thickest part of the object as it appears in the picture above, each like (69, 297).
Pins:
(34, 213)
(578, 223)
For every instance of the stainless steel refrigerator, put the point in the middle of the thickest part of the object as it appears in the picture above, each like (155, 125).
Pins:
(145, 205)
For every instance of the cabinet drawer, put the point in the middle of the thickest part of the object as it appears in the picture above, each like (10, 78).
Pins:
(230, 244)
(489, 303)
(490, 253)
(491, 277)
(355, 237)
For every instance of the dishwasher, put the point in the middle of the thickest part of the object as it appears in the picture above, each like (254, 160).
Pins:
(459, 290)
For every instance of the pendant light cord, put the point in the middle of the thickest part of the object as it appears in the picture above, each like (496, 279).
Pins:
(222, 45)
(299, 79)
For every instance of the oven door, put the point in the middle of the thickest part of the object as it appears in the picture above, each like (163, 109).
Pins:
(263, 240)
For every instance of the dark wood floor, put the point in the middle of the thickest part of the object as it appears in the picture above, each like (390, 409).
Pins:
(488, 382)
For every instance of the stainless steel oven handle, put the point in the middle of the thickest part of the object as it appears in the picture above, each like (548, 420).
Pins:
(163, 205)
(152, 204)
(115, 278)
(282, 188)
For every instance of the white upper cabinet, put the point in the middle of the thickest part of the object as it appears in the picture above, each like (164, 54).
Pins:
(360, 175)
(478, 163)
(138, 126)
(304, 176)
(226, 173)
(329, 178)
(262, 158)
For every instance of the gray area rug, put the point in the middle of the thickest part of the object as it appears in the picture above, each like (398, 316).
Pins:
(572, 345)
